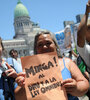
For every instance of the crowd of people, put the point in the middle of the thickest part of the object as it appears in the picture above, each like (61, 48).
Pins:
(75, 74)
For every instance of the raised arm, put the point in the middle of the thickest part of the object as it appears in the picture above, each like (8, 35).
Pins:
(82, 29)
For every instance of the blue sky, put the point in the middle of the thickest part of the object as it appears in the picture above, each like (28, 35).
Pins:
(50, 14)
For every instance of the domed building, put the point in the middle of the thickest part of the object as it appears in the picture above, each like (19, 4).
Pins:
(20, 10)
(22, 23)
(25, 31)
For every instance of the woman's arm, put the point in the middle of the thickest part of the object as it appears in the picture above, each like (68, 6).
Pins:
(20, 92)
(78, 85)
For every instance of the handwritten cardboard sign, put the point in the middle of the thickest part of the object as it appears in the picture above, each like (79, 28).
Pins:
(43, 77)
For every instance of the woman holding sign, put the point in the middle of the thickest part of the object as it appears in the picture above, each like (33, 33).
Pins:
(74, 85)
(73, 80)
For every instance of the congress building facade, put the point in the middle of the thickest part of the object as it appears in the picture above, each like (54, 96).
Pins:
(25, 30)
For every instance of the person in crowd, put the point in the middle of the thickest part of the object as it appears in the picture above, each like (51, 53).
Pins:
(7, 78)
(71, 54)
(14, 61)
(74, 85)
(82, 66)
(79, 61)
(83, 40)
(14, 54)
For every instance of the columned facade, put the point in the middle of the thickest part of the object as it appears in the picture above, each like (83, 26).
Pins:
(22, 26)
(25, 31)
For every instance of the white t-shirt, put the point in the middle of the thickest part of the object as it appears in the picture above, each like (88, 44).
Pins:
(85, 54)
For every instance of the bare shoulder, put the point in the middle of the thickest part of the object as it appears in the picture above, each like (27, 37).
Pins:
(67, 60)
(70, 64)
(60, 59)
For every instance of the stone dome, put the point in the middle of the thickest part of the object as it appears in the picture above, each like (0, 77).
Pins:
(20, 10)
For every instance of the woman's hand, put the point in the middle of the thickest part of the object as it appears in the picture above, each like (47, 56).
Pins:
(70, 85)
(21, 79)
(10, 72)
